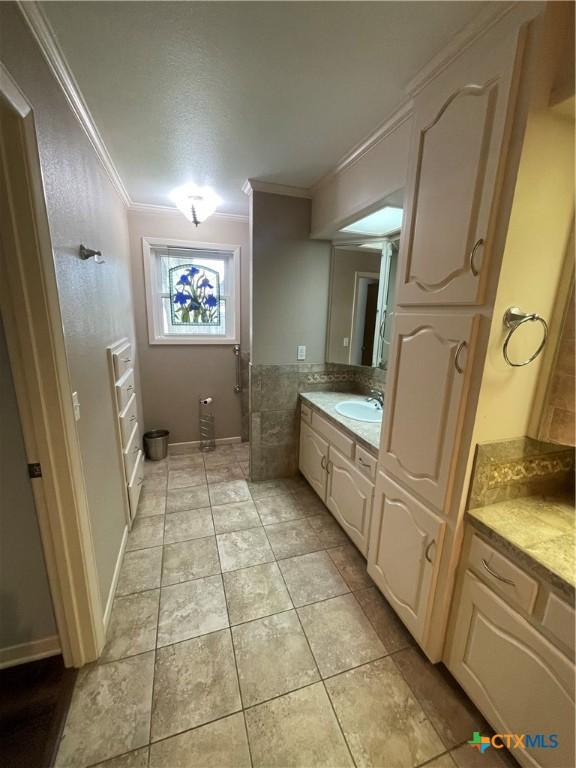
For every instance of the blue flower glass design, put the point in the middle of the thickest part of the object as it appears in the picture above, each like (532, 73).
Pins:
(194, 295)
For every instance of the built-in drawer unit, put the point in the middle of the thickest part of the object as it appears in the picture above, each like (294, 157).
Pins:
(125, 389)
(501, 574)
(122, 360)
(128, 418)
(338, 439)
(305, 414)
(135, 484)
(131, 451)
(365, 462)
(559, 619)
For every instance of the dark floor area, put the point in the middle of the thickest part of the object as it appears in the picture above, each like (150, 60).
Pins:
(34, 701)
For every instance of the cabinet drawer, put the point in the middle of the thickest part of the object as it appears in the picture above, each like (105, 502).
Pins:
(122, 360)
(502, 575)
(135, 484)
(365, 462)
(125, 389)
(333, 435)
(128, 418)
(131, 451)
(306, 413)
(559, 620)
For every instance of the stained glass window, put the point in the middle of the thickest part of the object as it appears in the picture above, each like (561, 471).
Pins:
(194, 295)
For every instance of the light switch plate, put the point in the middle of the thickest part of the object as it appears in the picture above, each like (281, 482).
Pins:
(76, 404)
(301, 354)
(346, 341)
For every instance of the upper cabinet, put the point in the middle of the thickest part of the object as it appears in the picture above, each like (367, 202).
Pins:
(425, 390)
(460, 136)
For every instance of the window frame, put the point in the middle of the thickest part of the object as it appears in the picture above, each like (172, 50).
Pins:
(154, 298)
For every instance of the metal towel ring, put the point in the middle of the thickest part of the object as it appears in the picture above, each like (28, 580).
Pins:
(513, 319)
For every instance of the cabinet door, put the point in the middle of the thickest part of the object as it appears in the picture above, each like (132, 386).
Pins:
(518, 680)
(313, 458)
(459, 142)
(404, 553)
(349, 497)
(424, 395)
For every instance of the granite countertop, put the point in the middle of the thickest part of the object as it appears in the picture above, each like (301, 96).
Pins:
(539, 530)
(364, 432)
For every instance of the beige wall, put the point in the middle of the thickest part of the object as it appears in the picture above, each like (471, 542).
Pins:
(377, 174)
(344, 265)
(538, 233)
(173, 378)
(25, 603)
(95, 300)
(290, 281)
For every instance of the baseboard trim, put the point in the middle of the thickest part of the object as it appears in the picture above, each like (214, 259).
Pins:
(112, 592)
(32, 651)
(175, 448)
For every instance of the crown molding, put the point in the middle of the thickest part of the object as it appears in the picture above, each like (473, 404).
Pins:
(46, 39)
(169, 210)
(254, 185)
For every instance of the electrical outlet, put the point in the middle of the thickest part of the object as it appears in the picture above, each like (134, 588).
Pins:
(301, 354)
(76, 404)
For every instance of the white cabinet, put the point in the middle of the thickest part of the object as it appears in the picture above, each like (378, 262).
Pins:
(459, 140)
(519, 680)
(404, 554)
(425, 391)
(313, 458)
(349, 497)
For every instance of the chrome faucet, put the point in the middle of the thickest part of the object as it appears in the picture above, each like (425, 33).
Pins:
(378, 396)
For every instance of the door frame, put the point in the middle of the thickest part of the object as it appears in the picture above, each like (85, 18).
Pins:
(359, 277)
(37, 352)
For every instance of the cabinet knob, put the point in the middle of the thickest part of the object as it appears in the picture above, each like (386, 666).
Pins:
(323, 462)
(428, 548)
(473, 268)
(457, 365)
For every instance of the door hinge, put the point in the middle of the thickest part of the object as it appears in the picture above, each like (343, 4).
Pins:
(34, 470)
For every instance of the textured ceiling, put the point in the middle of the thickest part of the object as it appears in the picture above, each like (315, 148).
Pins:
(216, 92)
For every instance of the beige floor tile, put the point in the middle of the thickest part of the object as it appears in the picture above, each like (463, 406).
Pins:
(222, 744)
(449, 709)
(444, 761)
(109, 713)
(188, 524)
(298, 730)
(155, 483)
(388, 626)
(223, 454)
(352, 566)
(312, 577)
(328, 531)
(224, 474)
(146, 532)
(381, 719)
(136, 759)
(292, 538)
(235, 517)
(278, 508)
(252, 593)
(141, 570)
(186, 461)
(273, 657)
(151, 503)
(132, 626)
(195, 682)
(242, 452)
(296, 483)
(155, 468)
(245, 466)
(340, 635)
(309, 501)
(260, 489)
(229, 493)
(186, 478)
(188, 560)
(191, 609)
(466, 757)
(241, 549)
(187, 498)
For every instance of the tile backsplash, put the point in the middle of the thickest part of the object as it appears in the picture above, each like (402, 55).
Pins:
(274, 408)
(509, 469)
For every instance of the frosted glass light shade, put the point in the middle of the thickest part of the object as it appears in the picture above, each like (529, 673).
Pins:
(196, 203)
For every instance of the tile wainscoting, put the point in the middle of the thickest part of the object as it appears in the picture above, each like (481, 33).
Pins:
(274, 411)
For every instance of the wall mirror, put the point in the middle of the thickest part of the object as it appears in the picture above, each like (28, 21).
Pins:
(362, 286)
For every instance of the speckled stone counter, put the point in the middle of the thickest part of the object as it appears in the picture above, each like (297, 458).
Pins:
(539, 531)
(364, 432)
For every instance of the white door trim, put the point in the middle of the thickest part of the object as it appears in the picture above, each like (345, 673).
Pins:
(38, 359)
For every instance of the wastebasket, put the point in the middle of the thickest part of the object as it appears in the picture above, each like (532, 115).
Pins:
(156, 444)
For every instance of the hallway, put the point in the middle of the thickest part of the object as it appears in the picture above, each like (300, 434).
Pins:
(245, 631)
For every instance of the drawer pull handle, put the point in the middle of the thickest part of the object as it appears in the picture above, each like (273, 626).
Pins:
(497, 575)
(126, 359)
(329, 466)
(427, 552)
(323, 462)
(457, 365)
(473, 268)
(140, 481)
(364, 463)
(133, 417)
(130, 387)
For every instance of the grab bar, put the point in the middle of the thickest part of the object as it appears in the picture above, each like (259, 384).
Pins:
(238, 385)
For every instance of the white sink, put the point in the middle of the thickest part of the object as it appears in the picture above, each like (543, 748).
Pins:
(366, 410)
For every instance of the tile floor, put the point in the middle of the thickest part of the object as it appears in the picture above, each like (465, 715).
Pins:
(246, 632)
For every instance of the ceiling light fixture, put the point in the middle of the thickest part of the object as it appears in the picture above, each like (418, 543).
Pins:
(196, 203)
(381, 222)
